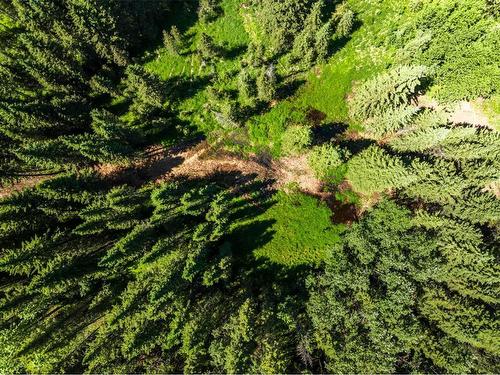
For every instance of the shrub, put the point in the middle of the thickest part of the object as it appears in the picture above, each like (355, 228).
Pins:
(295, 139)
(326, 162)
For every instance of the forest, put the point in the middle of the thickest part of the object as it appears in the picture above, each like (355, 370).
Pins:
(249, 186)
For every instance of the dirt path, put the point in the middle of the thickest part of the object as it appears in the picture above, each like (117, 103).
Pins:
(199, 160)
(21, 184)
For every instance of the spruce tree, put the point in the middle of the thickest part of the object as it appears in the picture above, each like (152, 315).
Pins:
(60, 60)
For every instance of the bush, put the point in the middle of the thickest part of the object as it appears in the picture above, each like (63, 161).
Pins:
(326, 161)
(295, 139)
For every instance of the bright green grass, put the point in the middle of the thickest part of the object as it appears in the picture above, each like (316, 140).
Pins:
(265, 131)
(362, 57)
(328, 91)
(296, 230)
(327, 86)
(229, 29)
(228, 33)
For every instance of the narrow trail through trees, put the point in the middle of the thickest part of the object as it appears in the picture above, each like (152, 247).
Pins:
(198, 160)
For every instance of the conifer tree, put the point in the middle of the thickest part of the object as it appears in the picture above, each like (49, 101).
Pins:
(207, 48)
(246, 84)
(374, 170)
(344, 18)
(403, 286)
(208, 10)
(60, 60)
(392, 89)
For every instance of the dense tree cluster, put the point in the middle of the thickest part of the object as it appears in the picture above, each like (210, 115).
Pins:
(136, 280)
(416, 280)
(61, 64)
(303, 27)
(129, 273)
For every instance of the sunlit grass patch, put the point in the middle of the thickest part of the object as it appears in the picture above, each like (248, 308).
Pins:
(299, 231)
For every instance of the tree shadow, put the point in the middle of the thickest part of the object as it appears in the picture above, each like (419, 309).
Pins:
(338, 43)
(232, 53)
(324, 133)
(289, 89)
(355, 146)
(157, 16)
(180, 89)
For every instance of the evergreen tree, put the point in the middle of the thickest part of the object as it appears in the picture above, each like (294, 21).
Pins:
(374, 171)
(389, 90)
(208, 10)
(136, 280)
(60, 60)
(173, 40)
(344, 18)
(247, 85)
(207, 48)
(399, 296)
(304, 46)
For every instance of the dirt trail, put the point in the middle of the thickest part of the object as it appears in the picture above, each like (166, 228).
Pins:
(200, 161)
(21, 184)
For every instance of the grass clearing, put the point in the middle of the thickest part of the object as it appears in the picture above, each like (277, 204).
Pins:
(298, 231)
(326, 86)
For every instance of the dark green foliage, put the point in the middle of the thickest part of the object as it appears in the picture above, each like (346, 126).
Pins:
(61, 60)
(207, 48)
(267, 83)
(136, 280)
(173, 40)
(247, 86)
(344, 18)
(209, 276)
(278, 22)
(304, 46)
(300, 27)
(208, 10)
(397, 291)
(374, 171)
